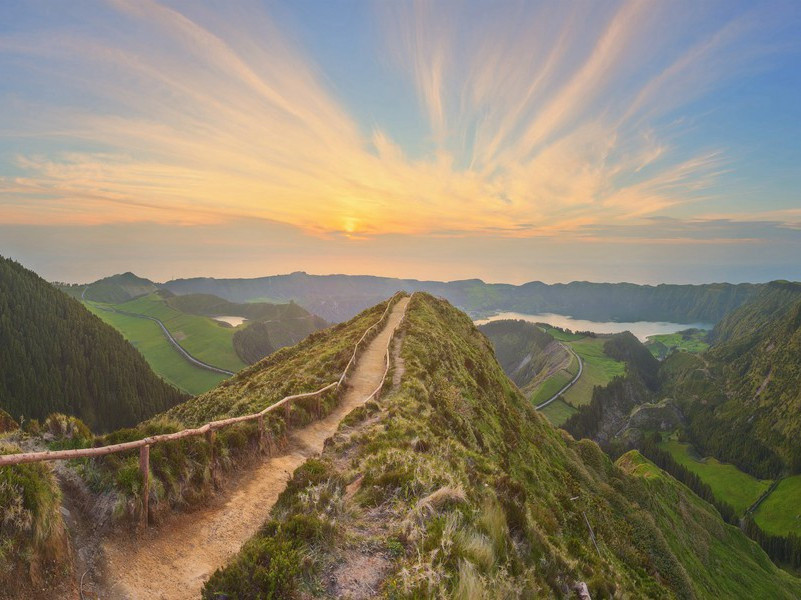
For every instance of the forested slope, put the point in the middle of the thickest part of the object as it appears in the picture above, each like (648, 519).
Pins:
(55, 356)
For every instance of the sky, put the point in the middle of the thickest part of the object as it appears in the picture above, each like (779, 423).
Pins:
(644, 140)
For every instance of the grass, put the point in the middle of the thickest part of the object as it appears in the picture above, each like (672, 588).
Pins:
(180, 469)
(780, 513)
(599, 369)
(202, 337)
(728, 483)
(663, 344)
(561, 335)
(480, 497)
(558, 412)
(147, 337)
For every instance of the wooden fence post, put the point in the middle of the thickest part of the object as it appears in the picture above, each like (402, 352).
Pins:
(210, 442)
(144, 470)
(287, 411)
(261, 433)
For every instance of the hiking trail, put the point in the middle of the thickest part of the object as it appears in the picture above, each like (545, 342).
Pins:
(172, 561)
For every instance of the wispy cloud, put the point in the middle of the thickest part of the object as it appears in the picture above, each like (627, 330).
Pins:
(543, 120)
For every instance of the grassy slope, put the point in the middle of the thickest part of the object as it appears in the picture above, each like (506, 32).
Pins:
(780, 513)
(599, 369)
(663, 344)
(147, 337)
(313, 363)
(202, 337)
(558, 412)
(465, 491)
(180, 473)
(728, 483)
(720, 560)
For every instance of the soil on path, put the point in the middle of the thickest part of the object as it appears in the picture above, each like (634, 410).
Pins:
(172, 561)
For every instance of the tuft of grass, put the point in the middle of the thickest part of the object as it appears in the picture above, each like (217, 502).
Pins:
(33, 542)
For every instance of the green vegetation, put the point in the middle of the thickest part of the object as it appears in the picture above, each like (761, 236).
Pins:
(558, 412)
(554, 383)
(742, 397)
(339, 297)
(203, 338)
(728, 483)
(599, 369)
(57, 357)
(689, 340)
(181, 472)
(780, 513)
(457, 488)
(268, 327)
(118, 289)
(33, 542)
(147, 337)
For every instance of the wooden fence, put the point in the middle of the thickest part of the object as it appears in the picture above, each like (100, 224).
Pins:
(208, 429)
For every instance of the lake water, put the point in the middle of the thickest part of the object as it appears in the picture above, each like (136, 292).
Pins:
(233, 321)
(641, 329)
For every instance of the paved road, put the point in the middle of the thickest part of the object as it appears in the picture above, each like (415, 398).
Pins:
(172, 340)
(569, 385)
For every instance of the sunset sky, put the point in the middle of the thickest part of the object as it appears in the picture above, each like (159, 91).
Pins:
(607, 141)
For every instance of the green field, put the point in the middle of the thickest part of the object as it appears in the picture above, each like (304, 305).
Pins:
(546, 389)
(662, 345)
(202, 337)
(780, 513)
(728, 483)
(147, 337)
(560, 335)
(599, 369)
(558, 411)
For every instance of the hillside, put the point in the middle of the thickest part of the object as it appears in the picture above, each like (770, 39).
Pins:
(223, 334)
(269, 326)
(118, 288)
(527, 354)
(56, 356)
(453, 486)
(339, 297)
(750, 400)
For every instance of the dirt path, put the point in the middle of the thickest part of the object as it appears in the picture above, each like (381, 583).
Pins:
(173, 561)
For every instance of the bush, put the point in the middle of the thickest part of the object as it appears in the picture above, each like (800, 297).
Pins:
(266, 569)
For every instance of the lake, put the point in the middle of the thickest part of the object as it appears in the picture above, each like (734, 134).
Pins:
(641, 329)
(233, 321)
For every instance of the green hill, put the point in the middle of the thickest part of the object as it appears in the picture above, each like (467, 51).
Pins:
(56, 356)
(118, 288)
(743, 396)
(339, 297)
(527, 354)
(453, 486)
(191, 320)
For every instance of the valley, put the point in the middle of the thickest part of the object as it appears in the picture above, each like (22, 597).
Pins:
(191, 341)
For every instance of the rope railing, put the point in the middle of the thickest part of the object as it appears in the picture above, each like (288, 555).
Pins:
(143, 445)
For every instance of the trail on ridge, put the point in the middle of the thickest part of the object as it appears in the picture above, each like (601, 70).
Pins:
(171, 562)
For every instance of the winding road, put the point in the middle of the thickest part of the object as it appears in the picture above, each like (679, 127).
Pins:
(570, 384)
(168, 335)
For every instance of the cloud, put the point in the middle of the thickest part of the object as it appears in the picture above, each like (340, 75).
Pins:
(544, 121)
